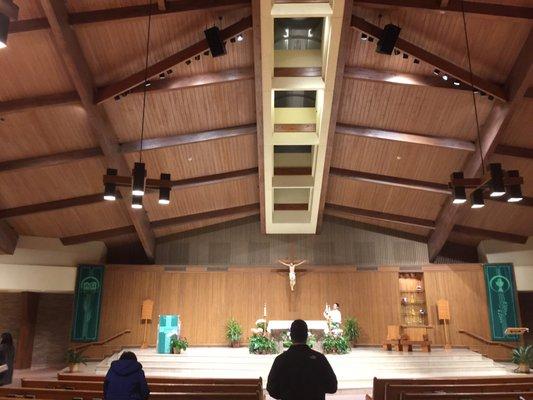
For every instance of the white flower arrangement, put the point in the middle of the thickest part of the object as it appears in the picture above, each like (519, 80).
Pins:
(260, 321)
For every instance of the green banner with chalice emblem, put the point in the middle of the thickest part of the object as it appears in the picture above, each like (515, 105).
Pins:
(87, 303)
(501, 296)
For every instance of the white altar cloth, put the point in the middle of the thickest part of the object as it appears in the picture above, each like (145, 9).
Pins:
(282, 325)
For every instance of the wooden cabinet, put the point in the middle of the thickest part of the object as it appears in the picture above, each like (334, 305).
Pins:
(413, 308)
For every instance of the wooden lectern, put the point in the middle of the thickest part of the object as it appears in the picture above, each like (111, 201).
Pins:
(146, 317)
(443, 311)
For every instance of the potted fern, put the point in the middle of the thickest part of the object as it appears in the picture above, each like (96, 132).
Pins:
(74, 359)
(178, 344)
(351, 330)
(233, 332)
(523, 357)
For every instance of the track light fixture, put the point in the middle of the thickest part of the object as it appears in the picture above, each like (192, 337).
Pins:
(137, 202)
(476, 199)
(137, 181)
(110, 188)
(497, 187)
(459, 192)
(397, 52)
(514, 191)
(364, 36)
(240, 38)
(445, 77)
(405, 55)
(456, 83)
(416, 61)
(370, 39)
(4, 30)
(436, 72)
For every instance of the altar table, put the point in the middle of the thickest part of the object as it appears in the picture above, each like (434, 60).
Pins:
(284, 326)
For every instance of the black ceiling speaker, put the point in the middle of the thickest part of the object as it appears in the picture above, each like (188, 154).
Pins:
(216, 44)
(388, 39)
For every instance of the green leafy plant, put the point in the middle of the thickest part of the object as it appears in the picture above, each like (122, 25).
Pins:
(233, 332)
(75, 357)
(351, 330)
(178, 344)
(260, 344)
(287, 342)
(335, 344)
(523, 357)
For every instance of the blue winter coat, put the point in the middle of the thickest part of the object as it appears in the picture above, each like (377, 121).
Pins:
(125, 380)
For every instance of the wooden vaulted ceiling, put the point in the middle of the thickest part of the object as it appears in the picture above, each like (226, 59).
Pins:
(400, 132)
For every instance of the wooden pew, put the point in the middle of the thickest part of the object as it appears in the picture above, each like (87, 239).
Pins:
(62, 394)
(151, 379)
(379, 385)
(393, 392)
(468, 396)
(154, 387)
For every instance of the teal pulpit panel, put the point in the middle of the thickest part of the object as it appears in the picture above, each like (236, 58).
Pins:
(169, 325)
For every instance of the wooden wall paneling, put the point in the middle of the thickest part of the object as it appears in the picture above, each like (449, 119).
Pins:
(28, 322)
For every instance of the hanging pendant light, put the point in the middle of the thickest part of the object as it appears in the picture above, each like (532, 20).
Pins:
(4, 30)
(498, 182)
(138, 182)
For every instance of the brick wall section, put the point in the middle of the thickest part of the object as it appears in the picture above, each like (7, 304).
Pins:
(52, 333)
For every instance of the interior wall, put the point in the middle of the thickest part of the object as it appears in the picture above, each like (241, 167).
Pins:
(206, 297)
(339, 243)
(52, 330)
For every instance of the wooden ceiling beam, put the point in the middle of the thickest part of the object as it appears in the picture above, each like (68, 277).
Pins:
(432, 59)
(30, 103)
(344, 48)
(191, 138)
(98, 197)
(454, 6)
(513, 151)
(9, 9)
(120, 13)
(186, 219)
(114, 89)
(8, 238)
(412, 138)
(52, 205)
(425, 186)
(402, 78)
(424, 223)
(50, 160)
(491, 132)
(69, 49)
(108, 233)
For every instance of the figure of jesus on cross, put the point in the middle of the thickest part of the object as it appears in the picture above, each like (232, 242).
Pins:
(292, 270)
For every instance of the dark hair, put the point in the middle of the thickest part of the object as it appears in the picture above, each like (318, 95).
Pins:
(338, 305)
(128, 355)
(299, 331)
(7, 339)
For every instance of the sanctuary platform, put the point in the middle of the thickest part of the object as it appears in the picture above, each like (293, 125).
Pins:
(354, 370)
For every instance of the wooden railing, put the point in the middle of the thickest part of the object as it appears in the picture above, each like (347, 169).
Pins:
(84, 347)
(487, 341)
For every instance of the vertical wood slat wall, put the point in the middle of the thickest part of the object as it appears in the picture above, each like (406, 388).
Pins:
(205, 300)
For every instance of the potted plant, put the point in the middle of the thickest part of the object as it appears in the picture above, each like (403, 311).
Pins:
(178, 344)
(260, 344)
(233, 332)
(74, 359)
(335, 344)
(523, 357)
(351, 330)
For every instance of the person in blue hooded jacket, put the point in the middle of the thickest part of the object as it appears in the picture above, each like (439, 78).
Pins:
(125, 379)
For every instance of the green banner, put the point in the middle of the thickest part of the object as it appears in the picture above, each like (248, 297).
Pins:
(87, 303)
(501, 295)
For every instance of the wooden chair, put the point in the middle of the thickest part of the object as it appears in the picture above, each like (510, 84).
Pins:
(393, 338)
(415, 336)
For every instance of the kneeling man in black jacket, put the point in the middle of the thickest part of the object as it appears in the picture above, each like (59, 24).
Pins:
(300, 372)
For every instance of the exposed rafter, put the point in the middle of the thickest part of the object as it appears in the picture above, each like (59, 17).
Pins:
(455, 6)
(497, 121)
(8, 238)
(413, 138)
(433, 59)
(401, 78)
(246, 211)
(424, 223)
(425, 186)
(98, 197)
(50, 160)
(120, 13)
(344, 47)
(258, 85)
(70, 51)
(513, 151)
(114, 89)
(30, 103)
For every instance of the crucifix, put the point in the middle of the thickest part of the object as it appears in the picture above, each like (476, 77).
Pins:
(292, 270)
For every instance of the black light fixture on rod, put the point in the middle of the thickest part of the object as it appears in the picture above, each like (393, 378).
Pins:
(138, 181)
(497, 182)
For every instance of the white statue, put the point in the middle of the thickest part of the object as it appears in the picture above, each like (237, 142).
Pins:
(292, 270)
